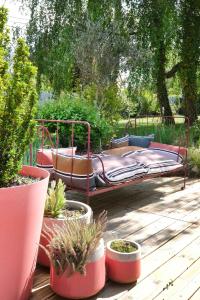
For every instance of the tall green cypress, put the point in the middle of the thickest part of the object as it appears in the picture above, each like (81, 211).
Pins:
(18, 101)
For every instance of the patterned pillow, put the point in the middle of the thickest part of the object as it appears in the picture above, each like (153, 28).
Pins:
(74, 170)
(141, 141)
(120, 142)
(44, 156)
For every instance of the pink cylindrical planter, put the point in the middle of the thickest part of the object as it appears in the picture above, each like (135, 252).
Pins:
(21, 217)
(51, 222)
(79, 286)
(123, 267)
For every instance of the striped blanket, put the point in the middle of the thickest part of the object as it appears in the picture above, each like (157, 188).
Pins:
(117, 169)
(157, 160)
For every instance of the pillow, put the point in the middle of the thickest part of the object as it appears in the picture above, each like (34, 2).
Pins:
(180, 150)
(44, 156)
(120, 142)
(121, 151)
(73, 170)
(140, 141)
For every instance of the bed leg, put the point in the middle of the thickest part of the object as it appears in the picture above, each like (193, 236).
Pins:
(184, 179)
(88, 200)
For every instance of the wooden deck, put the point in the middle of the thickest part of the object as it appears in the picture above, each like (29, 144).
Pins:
(165, 221)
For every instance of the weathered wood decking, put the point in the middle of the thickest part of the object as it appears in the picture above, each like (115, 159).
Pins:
(165, 221)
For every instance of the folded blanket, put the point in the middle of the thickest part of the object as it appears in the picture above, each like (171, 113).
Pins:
(117, 169)
(157, 160)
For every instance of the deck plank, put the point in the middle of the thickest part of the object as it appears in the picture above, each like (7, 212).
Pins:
(166, 273)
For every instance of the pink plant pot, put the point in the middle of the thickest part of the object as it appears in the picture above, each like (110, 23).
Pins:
(21, 216)
(123, 267)
(43, 259)
(79, 286)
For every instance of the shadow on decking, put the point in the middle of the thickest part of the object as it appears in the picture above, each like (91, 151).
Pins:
(133, 209)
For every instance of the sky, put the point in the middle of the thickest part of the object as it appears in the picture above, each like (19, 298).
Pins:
(17, 17)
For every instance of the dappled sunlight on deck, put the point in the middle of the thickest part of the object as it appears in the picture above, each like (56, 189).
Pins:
(165, 221)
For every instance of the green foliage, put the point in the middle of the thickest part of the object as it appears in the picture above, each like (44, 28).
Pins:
(18, 100)
(109, 103)
(72, 244)
(55, 201)
(123, 246)
(74, 108)
(146, 103)
(196, 133)
(194, 161)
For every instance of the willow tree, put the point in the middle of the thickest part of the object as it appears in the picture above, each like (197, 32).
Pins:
(59, 33)
(155, 33)
(50, 34)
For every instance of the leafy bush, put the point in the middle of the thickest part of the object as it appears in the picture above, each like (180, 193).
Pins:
(106, 99)
(73, 108)
(18, 101)
(145, 102)
(196, 133)
(194, 161)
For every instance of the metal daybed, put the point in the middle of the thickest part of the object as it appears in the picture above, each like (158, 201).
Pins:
(93, 174)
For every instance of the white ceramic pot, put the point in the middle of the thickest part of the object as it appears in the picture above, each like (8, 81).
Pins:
(50, 222)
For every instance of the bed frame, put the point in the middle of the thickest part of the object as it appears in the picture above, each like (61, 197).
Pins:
(44, 134)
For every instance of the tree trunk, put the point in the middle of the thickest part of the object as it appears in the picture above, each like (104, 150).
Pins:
(189, 89)
(189, 56)
(162, 94)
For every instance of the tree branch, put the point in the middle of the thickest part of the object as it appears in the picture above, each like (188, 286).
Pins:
(173, 70)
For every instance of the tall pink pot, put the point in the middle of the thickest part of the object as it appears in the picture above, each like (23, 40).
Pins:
(21, 217)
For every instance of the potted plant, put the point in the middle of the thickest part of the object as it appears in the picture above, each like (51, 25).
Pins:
(57, 211)
(123, 260)
(76, 253)
(22, 189)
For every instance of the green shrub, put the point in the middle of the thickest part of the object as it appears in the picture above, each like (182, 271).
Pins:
(73, 108)
(194, 161)
(196, 133)
(18, 101)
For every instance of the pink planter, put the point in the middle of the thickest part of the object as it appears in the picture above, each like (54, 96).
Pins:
(123, 267)
(78, 286)
(50, 222)
(21, 216)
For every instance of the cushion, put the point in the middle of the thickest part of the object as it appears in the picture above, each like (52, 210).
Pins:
(121, 151)
(140, 141)
(120, 142)
(180, 150)
(73, 170)
(44, 156)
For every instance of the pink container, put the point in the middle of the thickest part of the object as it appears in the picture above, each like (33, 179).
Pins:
(21, 217)
(123, 267)
(51, 222)
(78, 286)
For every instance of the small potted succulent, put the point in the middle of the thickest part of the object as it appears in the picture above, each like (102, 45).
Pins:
(22, 188)
(57, 210)
(77, 256)
(123, 260)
